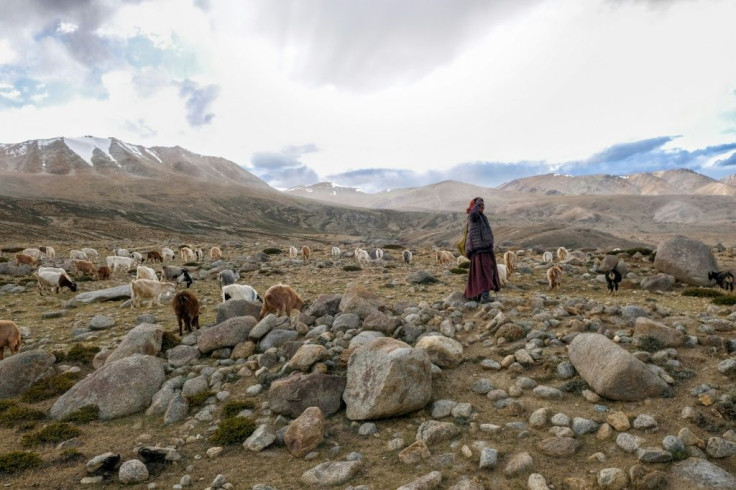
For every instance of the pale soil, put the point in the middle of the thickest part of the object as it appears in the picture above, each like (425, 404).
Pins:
(381, 467)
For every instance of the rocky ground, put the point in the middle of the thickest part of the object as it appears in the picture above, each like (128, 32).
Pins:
(508, 405)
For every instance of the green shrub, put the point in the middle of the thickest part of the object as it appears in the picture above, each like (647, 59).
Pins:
(702, 293)
(575, 385)
(464, 265)
(352, 268)
(12, 250)
(648, 344)
(191, 264)
(50, 387)
(725, 300)
(233, 430)
(726, 406)
(51, 434)
(79, 353)
(198, 399)
(20, 416)
(6, 404)
(87, 413)
(3, 259)
(18, 461)
(233, 408)
(458, 270)
(272, 251)
(169, 341)
(392, 246)
(70, 455)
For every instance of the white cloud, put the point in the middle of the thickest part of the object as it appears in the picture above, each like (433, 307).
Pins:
(7, 54)
(66, 27)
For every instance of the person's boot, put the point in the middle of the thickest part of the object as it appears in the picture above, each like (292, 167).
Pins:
(485, 298)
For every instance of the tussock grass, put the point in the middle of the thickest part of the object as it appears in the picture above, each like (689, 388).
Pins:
(49, 387)
(702, 293)
(725, 300)
(233, 408)
(198, 399)
(169, 341)
(87, 413)
(648, 344)
(392, 246)
(233, 430)
(272, 251)
(20, 417)
(16, 461)
(458, 270)
(352, 268)
(12, 250)
(51, 434)
(83, 354)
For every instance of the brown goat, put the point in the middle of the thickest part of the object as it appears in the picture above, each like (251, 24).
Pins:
(306, 252)
(154, 256)
(186, 307)
(9, 337)
(554, 277)
(24, 259)
(103, 273)
(281, 300)
(85, 267)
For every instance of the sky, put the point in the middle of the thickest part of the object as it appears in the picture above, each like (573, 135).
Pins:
(381, 94)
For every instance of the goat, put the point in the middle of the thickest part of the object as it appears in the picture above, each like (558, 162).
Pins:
(187, 254)
(115, 262)
(53, 278)
(215, 253)
(103, 273)
(554, 277)
(186, 308)
(34, 252)
(379, 254)
(724, 279)
(547, 257)
(154, 256)
(171, 272)
(335, 252)
(406, 255)
(306, 252)
(167, 253)
(21, 258)
(78, 255)
(502, 275)
(362, 256)
(85, 267)
(9, 337)
(281, 299)
(240, 291)
(561, 254)
(141, 289)
(49, 251)
(91, 253)
(200, 254)
(121, 252)
(143, 272)
(444, 257)
(613, 278)
(137, 257)
(227, 276)
(293, 252)
(509, 260)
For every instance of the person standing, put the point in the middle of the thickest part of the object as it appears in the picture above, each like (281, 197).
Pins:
(483, 275)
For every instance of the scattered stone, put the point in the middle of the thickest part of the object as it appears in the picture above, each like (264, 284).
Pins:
(613, 478)
(519, 463)
(132, 471)
(331, 473)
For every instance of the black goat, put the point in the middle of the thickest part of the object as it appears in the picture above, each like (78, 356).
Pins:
(724, 279)
(613, 278)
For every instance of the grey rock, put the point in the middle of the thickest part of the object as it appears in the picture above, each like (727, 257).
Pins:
(720, 448)
(226, 334)
(292, 395)
(581, 426)
(331, 473)
(177, 410)
(432, 431)
(699, 473)
(110, 294)
(629, 442)
(181, 355)
(345, 321)
(653, 455)
(101, 322)
(488, 458)
(261, 438)
(686, 259)
(233, 308)
(132, 471)
(145, 339)
(425, 482)
(20, 371)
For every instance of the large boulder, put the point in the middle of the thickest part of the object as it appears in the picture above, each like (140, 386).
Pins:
(699, 473)
(658, 282)
(144, 339)
(305, 433)
(443, 351)
(325, 304)
(109, 294)
(226, 334)
(292, 395)
(19, 372)
(612, 371)
(360, 301)
(118, 389)
(387, 377)
(688, 260)
(666, 336)
(237, 307)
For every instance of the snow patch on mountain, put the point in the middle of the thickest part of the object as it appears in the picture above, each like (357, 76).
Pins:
(85, 147)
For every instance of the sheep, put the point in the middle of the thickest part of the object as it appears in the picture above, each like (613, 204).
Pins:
(143, 272)
(137, 257)
(444, 257)
(293, 252)
(85, 267)
(335, 252)
(502, 275)
(200, 254)
(92, 254)
(115, 262)
(227, 277)
(281, 299)
(103, 273)
(141, 289)
(613, 278)
(406, 255)
(724, 279)
(78, 255)
(379, 254)
(167, 253)
(215, 253)
(9, 337)
(186, 308)
(49, 251)
(53, 278)
(21, 258)
(240, 291)
(547, 257)
(509, 260)
(561, 254)
(171, 272)
(362, 256)
(154, 256)
(187, 254)
(554, 277)
(461, 259)
(121, 252)
(306, 252)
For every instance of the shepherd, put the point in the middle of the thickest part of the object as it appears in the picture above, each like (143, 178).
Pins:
(483, 275)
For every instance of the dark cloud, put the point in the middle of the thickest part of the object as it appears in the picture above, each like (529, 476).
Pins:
(727, 162)
(198, 100)
(370, 45)
(622, 151)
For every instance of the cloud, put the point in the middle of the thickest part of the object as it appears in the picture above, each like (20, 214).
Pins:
(622, 151)
(727, 162)
(198, 101)
(284, 169)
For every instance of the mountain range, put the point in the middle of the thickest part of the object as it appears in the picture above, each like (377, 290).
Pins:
(104, 188)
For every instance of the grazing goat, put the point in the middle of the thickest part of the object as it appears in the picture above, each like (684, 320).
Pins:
(502, 275)
(34, 252)
(115, 262)
(240, 291)
(509, 260)
(143, 272)
(200, 254)
(293, 252)
(154, 256)
(561, 254)
(179, 274)
(362, 256)
(21, 258)
(121, 252)
(554, 277)
(53, 278)
(9, 337)
(335, 252)
(78, 255)
(92, 254)
(281, 300)
(379, 254)
(137, 257)
(103, 273)
(167, 253)
(613, 279)
(141, 289)
(306, 252)
(406, 255)
(227, 277)
(215, 253)
(188, 255)
(49, 251)
(186, 307)
(444, 257)
(85, 267)
(547, 257)
(724, 279)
